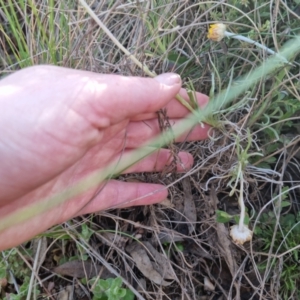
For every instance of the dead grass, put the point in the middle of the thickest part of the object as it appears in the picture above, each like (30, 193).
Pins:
(177, 250)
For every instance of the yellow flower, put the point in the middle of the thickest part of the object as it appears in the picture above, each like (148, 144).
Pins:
(216, 32)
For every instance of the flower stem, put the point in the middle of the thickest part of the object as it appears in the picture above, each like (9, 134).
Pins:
(241, 203)
(257, 44)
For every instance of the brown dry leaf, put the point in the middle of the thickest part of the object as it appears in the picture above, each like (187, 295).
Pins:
(3, 283)
(168, 236)
(178, 208)
(208, 285)
(109, 238)
(162, 263)
(189, 210)
(144, 264)
(81, 269)
(225, 243)
(50, 286)
(225, 246)
(63, 295)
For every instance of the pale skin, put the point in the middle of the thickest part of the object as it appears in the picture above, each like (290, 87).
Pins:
(59, 125)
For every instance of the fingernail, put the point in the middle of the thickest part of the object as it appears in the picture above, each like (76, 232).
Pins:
(168, 79)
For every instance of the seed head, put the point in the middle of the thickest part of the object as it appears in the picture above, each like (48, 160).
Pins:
(241, 235)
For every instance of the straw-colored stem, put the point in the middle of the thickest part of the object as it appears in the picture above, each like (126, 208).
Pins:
(115, 40)
(131, 56)
(184, 103)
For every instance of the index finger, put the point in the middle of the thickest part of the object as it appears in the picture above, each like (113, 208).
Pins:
(110, 99)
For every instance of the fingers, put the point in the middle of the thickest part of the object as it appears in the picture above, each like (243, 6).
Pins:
(138, 133)
(114, 194)
(160, 160)
(125, 194)
(101, 99)
(109, 99)
(175, 109)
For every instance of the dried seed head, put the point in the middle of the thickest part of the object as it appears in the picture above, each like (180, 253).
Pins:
(241, 236)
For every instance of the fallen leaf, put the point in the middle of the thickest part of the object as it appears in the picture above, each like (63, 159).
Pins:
(189, 209)
(225, 244)
(144, 264)
(81, 269)
(161, 263)
(109, 238)
(63, 294)
(3, 283)
(50, 286)
(208, 286)
(169, 236)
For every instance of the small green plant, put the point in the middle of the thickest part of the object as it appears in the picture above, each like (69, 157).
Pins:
(286, 241)
(224, 217)
(170, 247)
(110, 289)
(13, 262)
(23, 291)
(240, 233)
(13, 269)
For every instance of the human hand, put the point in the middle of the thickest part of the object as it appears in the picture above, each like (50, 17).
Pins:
(59, 125)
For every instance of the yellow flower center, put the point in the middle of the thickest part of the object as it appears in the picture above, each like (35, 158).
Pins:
(216, 32)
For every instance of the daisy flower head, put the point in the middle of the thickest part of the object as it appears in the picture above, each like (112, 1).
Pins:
(216, 32)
